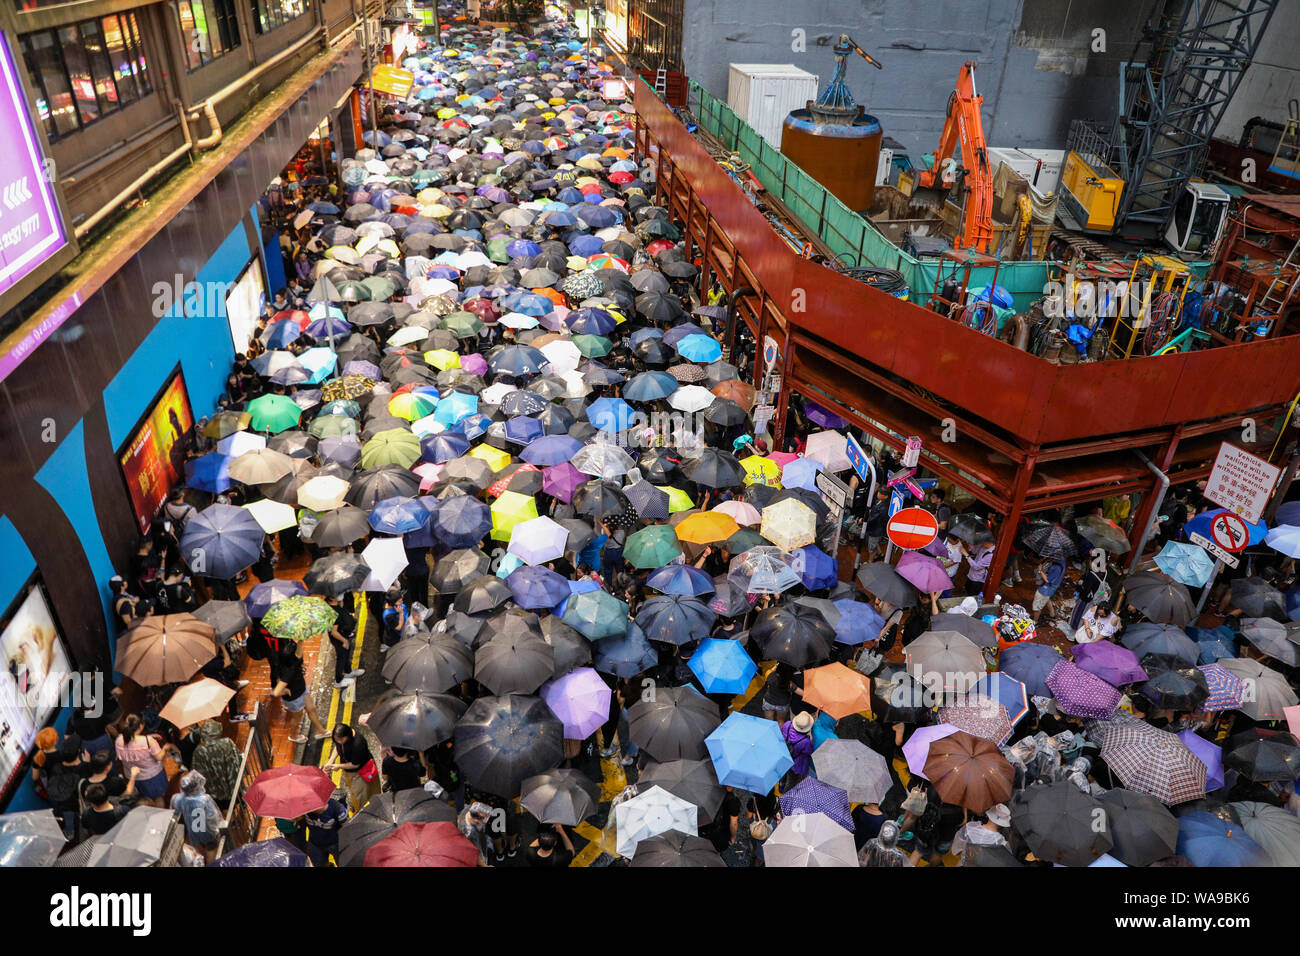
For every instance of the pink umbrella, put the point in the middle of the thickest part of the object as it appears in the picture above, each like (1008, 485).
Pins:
(428, 473)
(562, 480)
(580, 699)
(474, 364)
(782, 458)
(923, 572)
(917, 748)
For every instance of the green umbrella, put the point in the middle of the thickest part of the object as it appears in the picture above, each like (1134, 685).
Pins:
(678, 500)
(273, 413)
(381, 289)
(592, 346)
(596, 614)
(393, 446)
(299, 618)
(462, 324)
(496, 249)
(651, 547)
(743, 540)
(333, 426)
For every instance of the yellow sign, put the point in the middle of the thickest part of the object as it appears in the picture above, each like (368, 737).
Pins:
(393, 81)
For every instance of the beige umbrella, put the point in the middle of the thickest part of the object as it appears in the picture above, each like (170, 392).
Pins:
(272, 515)
(789, 524)
(196, 702)
(322, 493)
(260, 466)
(165, 649)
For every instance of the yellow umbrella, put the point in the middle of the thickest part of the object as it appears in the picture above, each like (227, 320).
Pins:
(789, 524)
(442, 359)
(496, 459)
(761, 471)
(678, 500)
(707, 527)
(510, 509)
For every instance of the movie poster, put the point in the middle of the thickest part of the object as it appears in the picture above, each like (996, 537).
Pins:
(154, 459)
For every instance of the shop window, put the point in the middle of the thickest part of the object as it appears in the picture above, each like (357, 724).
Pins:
(269, 15)
(209, 29)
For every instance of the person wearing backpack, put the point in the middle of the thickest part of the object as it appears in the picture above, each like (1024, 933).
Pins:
(199, 814)
(394, 619)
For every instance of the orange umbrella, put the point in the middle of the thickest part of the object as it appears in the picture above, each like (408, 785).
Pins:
(196, 702)
(837, 689)
(707, 527)
(737, 391)
(969, 771)
(552, 294)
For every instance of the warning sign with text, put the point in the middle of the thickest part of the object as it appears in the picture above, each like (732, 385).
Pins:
(1241, 482)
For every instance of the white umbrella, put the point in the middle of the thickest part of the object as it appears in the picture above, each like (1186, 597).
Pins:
(576, 385)
(407, 336)
(496, 393)
(387, 559)
(853, 767)
(1269, 693)
(1285, 538)
(426, 426)
(238, 443)
(563, 356)
(829, 449)
(468, 260)
(538, 540)
(322, 493)
(603, 460)
(272, 515)
(742, 512)
(517, 320)
(809, 839)
(651, 813)
(691, 398)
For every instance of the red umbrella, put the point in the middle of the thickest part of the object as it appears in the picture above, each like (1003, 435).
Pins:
(423, 844)
(289, 791)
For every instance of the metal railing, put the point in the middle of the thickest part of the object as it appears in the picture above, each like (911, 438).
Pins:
(241, 824)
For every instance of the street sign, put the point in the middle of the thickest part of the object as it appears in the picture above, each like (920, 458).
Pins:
(917, 491)
(1229, 532)
(1227, 557)
(912, 452)
(1241, 482)
(394, 81)
(771, 352)
(857, 457)
(837, 496)
(899, 477)
(895, 502)
(762, 415)
(912, 528)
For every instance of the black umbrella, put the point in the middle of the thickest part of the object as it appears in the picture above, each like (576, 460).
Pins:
(1161, 599)
(226, 618)
(414, 719)
(675, 619)
(600, 499)
(336, 574)
(433, 663)
(984, 855)
(660, 467)
(502, 741)
(513, 663)
(725, 412)
(386, 481)
(793, 634)
(461, 522)
(968, 627)
(970, 528)
(1142, 827)
(728, 599)
(715, 469)
(1257, 598)
(882, 581)
(383, 814)
(339, 528)
(485, 593)
(457, 568)
(1172, 684)
(1060, 823)
(1052, 542)
(673, 723)
(1264, 757)
(695, 781)
(564, 796)
(676, 849)
(901, 696)
(571, 649)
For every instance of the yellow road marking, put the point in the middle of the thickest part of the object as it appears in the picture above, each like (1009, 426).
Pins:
(337, 695)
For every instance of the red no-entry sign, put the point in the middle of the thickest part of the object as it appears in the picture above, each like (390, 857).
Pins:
(1229, 532)
(912, 528)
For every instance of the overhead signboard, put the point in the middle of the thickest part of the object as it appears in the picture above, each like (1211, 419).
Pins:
(1241, 482)
(394, 81)
(32, 229)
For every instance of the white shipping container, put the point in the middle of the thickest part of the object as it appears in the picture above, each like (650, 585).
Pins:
(763, 94)
(1040, 167)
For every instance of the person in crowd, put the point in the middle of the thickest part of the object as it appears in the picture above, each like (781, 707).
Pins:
(199, 814)
(352, 757)
(144, 752)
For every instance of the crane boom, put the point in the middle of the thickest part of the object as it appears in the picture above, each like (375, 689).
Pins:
(964, 125)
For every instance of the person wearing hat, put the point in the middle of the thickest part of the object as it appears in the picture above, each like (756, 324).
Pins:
(797, 732)
(199, 814)
(985, 830)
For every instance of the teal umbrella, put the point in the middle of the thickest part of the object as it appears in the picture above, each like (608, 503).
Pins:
(652, 547)
(1186, 563)
(597, 614)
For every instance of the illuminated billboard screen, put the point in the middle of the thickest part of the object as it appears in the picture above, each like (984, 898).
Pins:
(153, 459)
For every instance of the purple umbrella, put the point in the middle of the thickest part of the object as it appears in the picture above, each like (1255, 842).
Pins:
(474, 364)
(923, 572)
(537, 587)
(1114, 664)
(262, 596)
(917, 748)
(1081, 693)
(580, 699)
(824, 416)
(561, 481)
(361, 367)
(550, 450)
(810, 795)
(1207, 753)
(1030, 664)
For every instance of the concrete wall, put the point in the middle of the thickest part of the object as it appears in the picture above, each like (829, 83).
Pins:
(1272, 79)
(1037, 69)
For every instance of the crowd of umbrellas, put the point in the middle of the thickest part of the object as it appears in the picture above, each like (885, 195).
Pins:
(502, 238)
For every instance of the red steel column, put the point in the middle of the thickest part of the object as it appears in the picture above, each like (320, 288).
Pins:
(1007, 533)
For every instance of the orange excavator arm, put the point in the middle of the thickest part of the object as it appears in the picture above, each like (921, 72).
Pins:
(965, 126)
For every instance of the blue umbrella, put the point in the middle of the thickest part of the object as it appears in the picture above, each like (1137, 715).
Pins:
(277, 852)
(596, 615)
(640, 335)
(1186, 563)
(674, 618)
(1201, 525)
(585, 245)
(1293, 603)
(220, 541)
(1007, 691)
(686, 579)
(280, 334)
(625, 656)
(1208, 840)
(208, 473)
(320, 362)
(591, 321)
(1214, 643)
(611, 414)
(510, 563)
(527, 303)
(517, 360)
(471, 426)
(550, 450)
(260, 599)
(816, 568)
(1030, 664)
(329, 325)
(650, 387)
(699, 348)
(443, 447)
(722, 666)
(455, 407)
(523, 430)
(537, 587)
(801, 473)
(811, 795)
(398, 515)
(423, 537)
(859, 622)
(461, 522)
(344, 449)
(748, 753)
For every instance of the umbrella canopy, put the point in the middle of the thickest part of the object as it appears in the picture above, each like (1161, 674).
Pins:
(882, 581)
(674, 619)
(226, 618)
(1081, 693)
(651, 813)
(852, 767)
(969, 772)
(837, 690)
(1030, 664)
(432, 663)
(165, 649)
(1149, 760)
(502, 741)
(808, 840)
(30, 838)
(220, 541)
(382, 815)
(722, 666)
(289, 791)
(793, 634)
(135, 840)
(1114, 664)
(1144, 831)
(299, 618)
(277, 852)
(673, 724)
(748, 752)
(1270, 692)
(1277, 831)
(424, 844)
(196, 702)
(1161, 600)
(579, 698)
(562, 796)
(945, 661)
(811, 795)
(676, 849)
(1208, 840)
(1059, 823)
